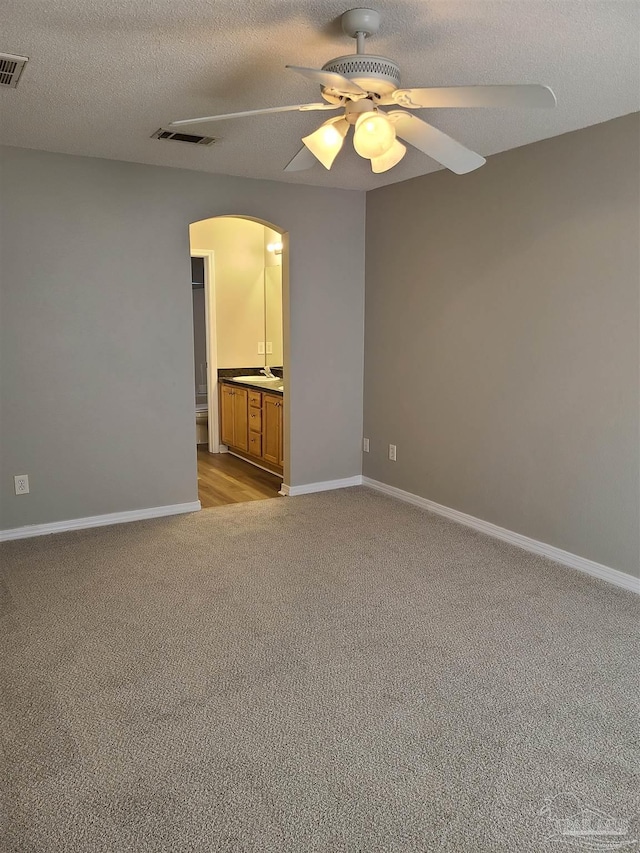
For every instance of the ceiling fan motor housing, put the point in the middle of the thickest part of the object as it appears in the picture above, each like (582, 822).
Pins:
(377, 75)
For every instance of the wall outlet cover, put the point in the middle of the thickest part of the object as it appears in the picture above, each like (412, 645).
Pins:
(365, 445)
(21, 484)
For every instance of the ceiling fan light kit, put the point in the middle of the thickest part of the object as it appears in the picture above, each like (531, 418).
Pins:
(326, 142)
(360, 84)
(373, 135)
(389, 159)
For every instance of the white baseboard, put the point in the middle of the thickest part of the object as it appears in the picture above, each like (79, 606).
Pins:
(251, 462)
(324, 486)
(596, 570)
(30, 530)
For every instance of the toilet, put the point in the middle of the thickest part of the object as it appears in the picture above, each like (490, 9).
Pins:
(202, 422)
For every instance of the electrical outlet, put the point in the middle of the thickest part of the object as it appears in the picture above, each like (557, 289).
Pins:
(260, 347)
(21, 483)
(392, 452)
(365, 445)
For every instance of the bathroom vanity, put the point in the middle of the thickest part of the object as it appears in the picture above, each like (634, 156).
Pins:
(251, 422)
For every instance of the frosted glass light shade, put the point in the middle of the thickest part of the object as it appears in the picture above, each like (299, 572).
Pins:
(390, 159)
(325, 142)
(374, 135)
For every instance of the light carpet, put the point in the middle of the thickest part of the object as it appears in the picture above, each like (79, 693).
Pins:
(333, 672)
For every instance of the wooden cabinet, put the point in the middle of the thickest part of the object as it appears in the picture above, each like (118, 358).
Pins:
(272, 429)
(240, 419)
(255, 423)
(226, 414)
(255, 419)
(251, 423)
(234, 417)
(255, 444)
(281, 462)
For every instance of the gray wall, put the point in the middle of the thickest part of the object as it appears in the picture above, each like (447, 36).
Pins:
(501, 347)
(97, 340)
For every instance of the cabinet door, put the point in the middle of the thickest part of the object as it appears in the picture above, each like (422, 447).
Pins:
(226, 415)
(271, 416)
(281, 429)
(255, 444)
(255, 420)
(240, 419)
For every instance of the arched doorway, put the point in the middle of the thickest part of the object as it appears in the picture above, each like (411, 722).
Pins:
(241, 345)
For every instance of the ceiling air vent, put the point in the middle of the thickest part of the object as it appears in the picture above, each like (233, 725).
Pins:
(183, 137)
(11, 68)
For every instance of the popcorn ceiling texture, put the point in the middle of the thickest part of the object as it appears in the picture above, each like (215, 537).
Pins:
(104, 76)
(335, 672)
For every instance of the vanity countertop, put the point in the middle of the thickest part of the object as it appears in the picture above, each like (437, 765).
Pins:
(268, 387)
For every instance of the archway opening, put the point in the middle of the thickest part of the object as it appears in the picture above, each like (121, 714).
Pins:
(241, 345)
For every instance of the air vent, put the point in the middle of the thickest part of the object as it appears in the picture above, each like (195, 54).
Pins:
(183, 137)
(11, 67)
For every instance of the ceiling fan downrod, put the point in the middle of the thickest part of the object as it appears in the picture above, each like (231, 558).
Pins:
(359, 24)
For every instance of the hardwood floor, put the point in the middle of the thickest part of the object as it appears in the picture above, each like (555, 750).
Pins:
(225, 479)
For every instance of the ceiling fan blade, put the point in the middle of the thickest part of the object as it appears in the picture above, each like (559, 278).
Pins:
(528, 95)
(435, 143)
(301, 107)
(304, 159)
(330, 80)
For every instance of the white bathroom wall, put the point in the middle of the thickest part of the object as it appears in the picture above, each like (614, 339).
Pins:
(238, 246)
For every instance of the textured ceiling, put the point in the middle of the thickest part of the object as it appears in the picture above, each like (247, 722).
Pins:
(105, 74)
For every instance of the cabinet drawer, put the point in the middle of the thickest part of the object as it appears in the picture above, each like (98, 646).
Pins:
(255, 420)
(255, 398)
(255, 444)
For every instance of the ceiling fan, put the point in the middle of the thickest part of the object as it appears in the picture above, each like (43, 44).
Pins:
(358, 85)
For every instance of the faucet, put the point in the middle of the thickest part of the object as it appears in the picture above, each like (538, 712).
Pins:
(267, 372)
